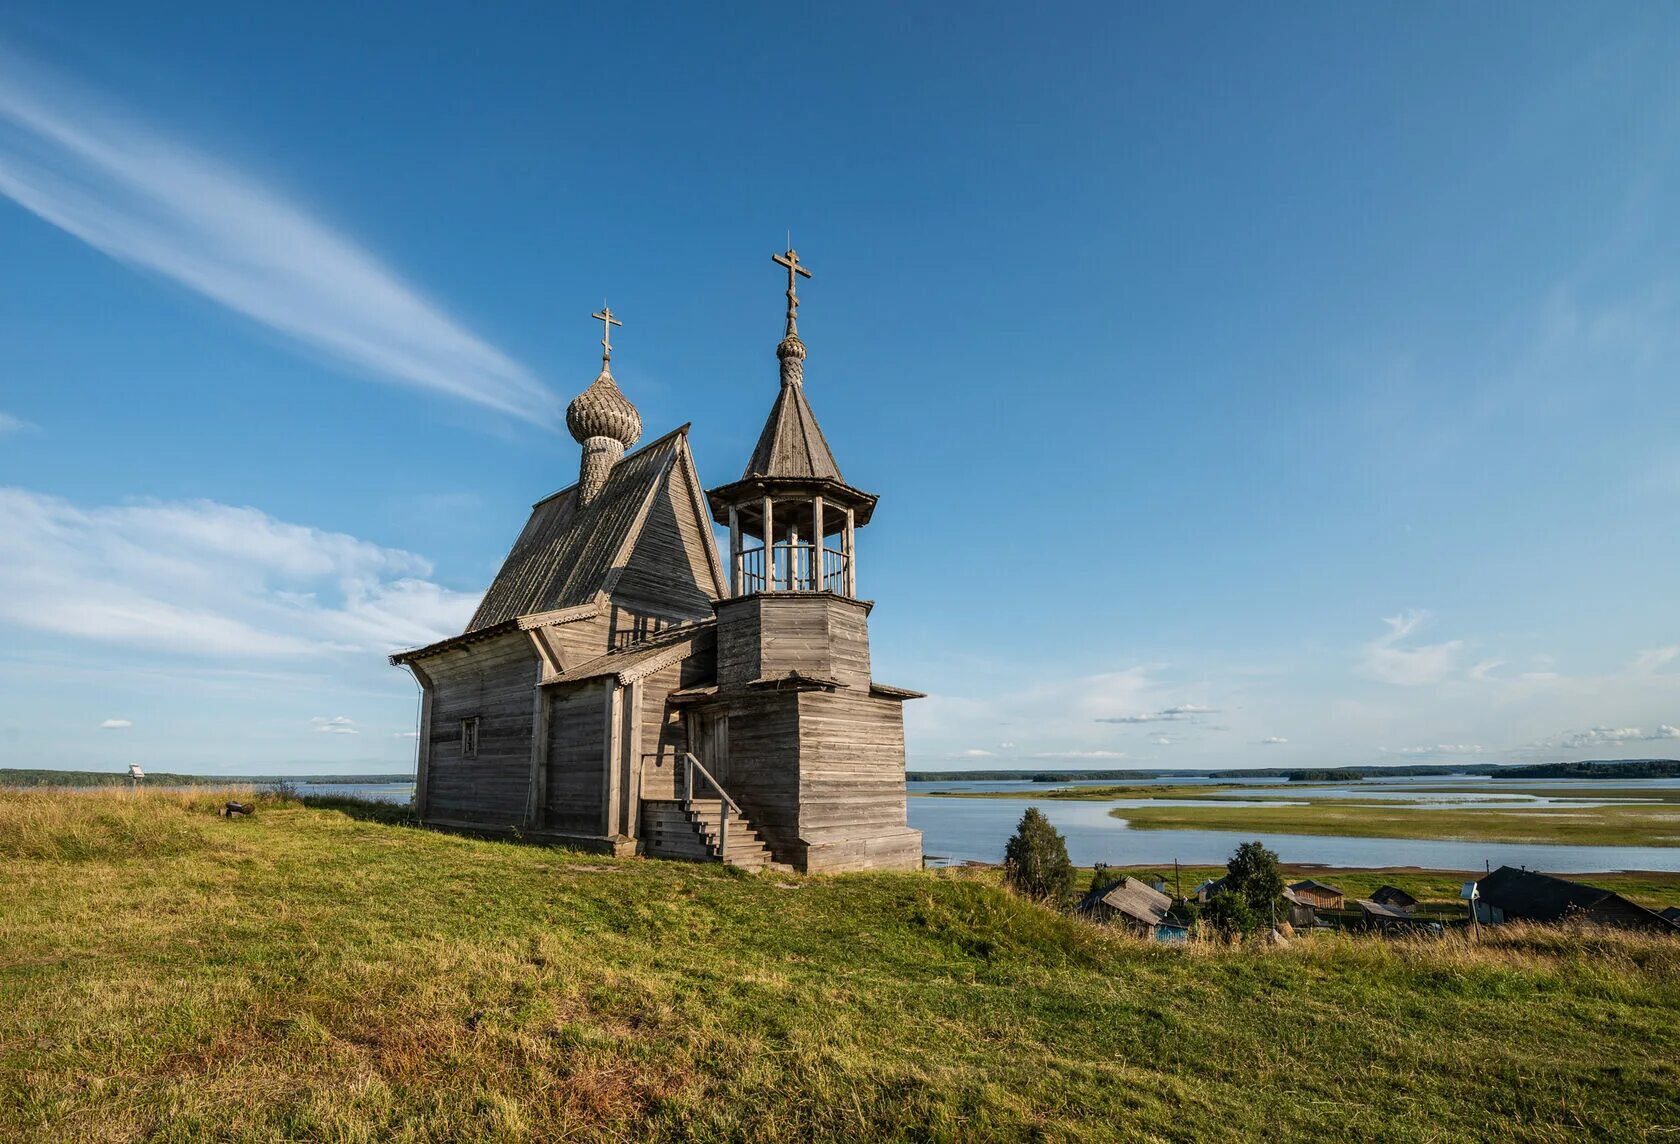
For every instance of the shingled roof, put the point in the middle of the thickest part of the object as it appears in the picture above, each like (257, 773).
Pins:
(567, 553)
(792, 444)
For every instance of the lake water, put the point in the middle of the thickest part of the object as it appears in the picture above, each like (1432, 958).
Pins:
(975, 829)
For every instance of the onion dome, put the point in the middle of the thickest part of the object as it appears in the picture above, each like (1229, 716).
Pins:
(602, 410)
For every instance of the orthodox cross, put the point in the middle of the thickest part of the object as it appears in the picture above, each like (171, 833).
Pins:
(791, 261)
(605, 317)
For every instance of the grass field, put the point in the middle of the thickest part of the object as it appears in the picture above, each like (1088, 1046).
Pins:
(312, 974)
(1613, 825)
(1631, 818)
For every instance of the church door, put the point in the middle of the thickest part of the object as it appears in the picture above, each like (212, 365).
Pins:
(709, 740)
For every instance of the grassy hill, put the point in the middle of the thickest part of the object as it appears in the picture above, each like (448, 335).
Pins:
(313, 974)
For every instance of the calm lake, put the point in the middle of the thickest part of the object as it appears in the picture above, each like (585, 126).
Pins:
(975, 829)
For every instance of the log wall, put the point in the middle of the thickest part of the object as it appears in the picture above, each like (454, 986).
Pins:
(491, 680)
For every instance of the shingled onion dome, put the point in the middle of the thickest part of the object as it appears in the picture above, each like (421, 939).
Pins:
(603, 421)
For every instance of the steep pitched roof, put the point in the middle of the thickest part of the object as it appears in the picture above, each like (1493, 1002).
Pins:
(646, 656)
(792, 444)
(569, 555)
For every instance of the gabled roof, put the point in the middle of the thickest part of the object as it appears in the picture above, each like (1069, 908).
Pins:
(792, 444)
(1310, 884)
(1529, 895)
(569, 556)
(644, 657)
(1377, 910)
(1138, 901)
(1393, 896)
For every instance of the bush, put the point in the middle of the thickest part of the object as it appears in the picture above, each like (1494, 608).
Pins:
(1035, 862)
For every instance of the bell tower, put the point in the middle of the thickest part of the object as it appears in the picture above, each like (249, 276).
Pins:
(792, 518)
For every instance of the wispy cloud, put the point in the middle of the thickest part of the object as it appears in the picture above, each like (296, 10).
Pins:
(1610, 736)
(148, 199)
(1384, 658)
(1176, 714)
(1271, 741)
(337, 725)
(13, 424)
(1436, 749)
(209, 579)
(1078, 755)
(116, 724)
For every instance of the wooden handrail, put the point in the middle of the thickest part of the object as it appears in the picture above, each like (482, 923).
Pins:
(727, 803)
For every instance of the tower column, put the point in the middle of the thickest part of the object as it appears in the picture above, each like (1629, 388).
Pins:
(851, 554)
(735, 556)
(820, 552)
(769, 547)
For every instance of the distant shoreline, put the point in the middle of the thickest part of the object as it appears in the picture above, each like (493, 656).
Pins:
(39, 777)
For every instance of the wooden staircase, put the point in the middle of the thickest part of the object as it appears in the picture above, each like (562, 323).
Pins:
(700, 828)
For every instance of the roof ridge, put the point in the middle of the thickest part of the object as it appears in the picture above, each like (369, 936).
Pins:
(679, 431)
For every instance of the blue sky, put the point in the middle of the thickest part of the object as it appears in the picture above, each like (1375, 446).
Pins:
(1243, 388)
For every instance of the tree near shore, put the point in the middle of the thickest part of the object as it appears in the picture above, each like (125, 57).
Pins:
(1252, 893)
(1035, 862)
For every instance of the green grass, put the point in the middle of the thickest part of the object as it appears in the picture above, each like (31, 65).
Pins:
(312, 974)
(1616, 825)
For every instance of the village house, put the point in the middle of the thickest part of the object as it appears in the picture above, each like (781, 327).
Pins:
(1395, 898)
(623, 688)
(1319, 894)
(1142, 909)
(1510, 894)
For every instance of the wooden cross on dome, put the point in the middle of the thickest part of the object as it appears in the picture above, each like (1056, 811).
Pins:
(605, 317)
(791, 261)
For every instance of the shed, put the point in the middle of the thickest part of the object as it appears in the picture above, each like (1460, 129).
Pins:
(1396, 897)
(1301, 914)
(1511, 894)
(1133, 904)
(1319, 894)
(1671, 914)
(1208, 889)
(1376, 915)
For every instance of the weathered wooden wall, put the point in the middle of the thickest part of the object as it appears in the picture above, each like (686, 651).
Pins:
(815, 634)
(492, 680)
(851, 783)
(577, 737)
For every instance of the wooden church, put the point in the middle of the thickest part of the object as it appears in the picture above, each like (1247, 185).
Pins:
(618, 689)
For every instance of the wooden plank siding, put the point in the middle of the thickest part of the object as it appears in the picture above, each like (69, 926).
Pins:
(851, 783)
(576, 748)
(816, 634)
(491, 681)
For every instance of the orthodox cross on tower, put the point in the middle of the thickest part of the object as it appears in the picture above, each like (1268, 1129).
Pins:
(605, 317)
(791, 261)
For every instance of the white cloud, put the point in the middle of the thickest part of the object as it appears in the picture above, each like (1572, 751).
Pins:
(1384, 659)
(213, 580)
(337, 725)
(116, 724)
(1437, 749)
(1649, 661)
(405, 734)
(12, 424)
(1602, 736)
(1078, 755)
(975, 753)
(1271, 741)
(146, 199)
(1183, 711)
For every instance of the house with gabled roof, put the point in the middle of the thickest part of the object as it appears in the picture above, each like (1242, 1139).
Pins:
(624, 688)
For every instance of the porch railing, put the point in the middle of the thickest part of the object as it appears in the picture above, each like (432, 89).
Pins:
(725, 803)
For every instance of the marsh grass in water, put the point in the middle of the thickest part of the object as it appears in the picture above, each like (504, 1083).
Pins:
(317, 974)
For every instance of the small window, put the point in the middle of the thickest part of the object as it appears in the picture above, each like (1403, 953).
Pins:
(469, 738)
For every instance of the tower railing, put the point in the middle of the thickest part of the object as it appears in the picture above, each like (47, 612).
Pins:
(794, 568)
